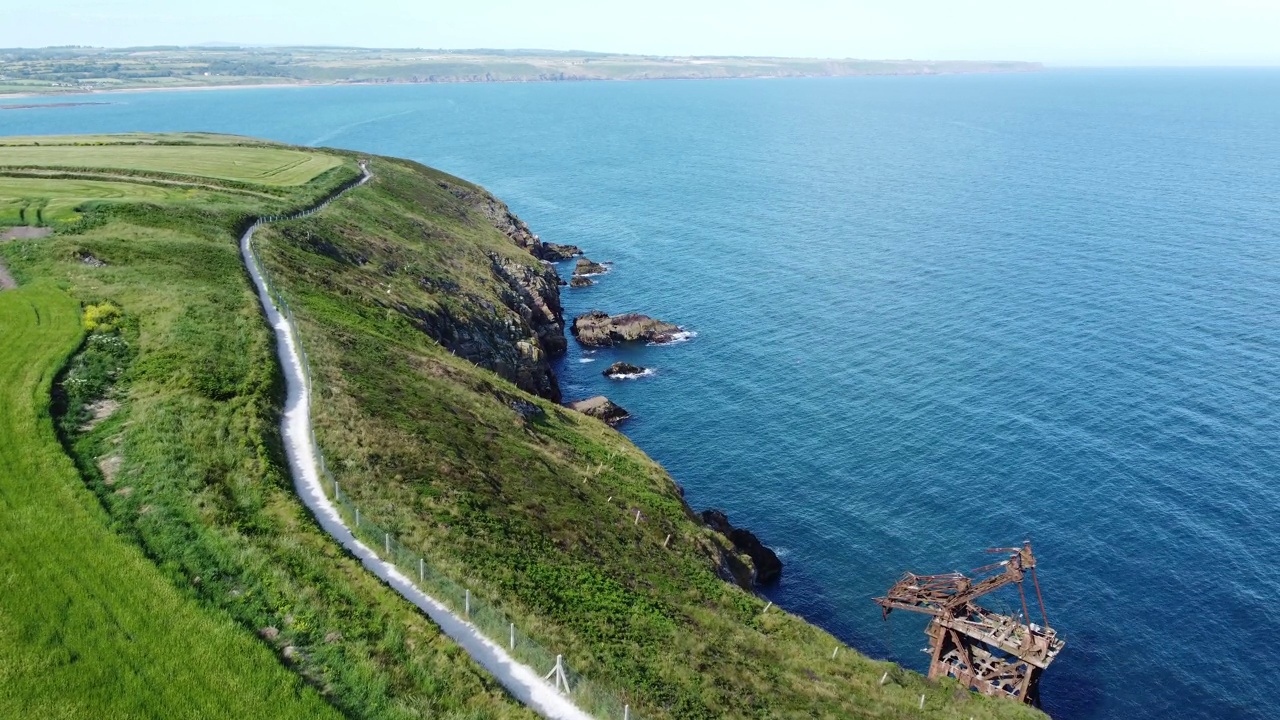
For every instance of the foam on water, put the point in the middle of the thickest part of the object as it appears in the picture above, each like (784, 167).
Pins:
(676, 338)
(647, 372)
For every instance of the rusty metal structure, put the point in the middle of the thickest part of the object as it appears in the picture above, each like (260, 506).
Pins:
(987, 652)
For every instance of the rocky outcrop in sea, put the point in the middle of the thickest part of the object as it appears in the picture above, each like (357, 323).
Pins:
(581, 281)
(602, 408)
(625, 371)
(600, 329)
(554, 252)
(587, 267)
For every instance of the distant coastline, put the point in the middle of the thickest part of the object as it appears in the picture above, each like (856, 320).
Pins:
(51, 72)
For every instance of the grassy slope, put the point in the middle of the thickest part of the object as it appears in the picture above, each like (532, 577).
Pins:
(189, 468)
(88, 627)
(539, 514)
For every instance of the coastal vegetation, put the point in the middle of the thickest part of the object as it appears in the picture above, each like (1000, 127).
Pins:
(78, 69)
(428, 321)
(89, 626)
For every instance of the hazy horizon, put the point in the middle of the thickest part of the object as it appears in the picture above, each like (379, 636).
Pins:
(1086, 33)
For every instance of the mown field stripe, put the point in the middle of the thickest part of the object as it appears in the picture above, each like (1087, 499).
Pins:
(88, 626)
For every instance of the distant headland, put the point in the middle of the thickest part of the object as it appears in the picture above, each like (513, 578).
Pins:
(65, 70)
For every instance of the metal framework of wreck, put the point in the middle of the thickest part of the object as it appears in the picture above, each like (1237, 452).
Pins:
(987, 652)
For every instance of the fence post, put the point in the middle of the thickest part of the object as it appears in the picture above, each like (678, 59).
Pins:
(766, 607)
(667, 541)
(386, 543)
(922, 702)
(357, 517)
(513, 636)
(421, 570)
(626, 712)
(468, 603)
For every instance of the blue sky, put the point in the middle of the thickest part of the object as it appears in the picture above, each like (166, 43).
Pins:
(1058, 32)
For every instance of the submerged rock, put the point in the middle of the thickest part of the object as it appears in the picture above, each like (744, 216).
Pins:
(588, 267)
(623, 370)
(767, 567)
(581, 281)
(602, 408)
(599, 329)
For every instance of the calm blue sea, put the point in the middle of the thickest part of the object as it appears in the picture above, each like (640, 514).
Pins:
(933, 315)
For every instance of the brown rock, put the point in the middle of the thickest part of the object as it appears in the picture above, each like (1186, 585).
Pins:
(588, 267)
(599, 329)
(581, 281)
(601, 408)
(553, 252)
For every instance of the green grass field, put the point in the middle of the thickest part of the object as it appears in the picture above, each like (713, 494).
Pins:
(89, 628)
(258, 165)
(40, 201)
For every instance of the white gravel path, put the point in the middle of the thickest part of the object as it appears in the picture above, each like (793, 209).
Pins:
(522, 681)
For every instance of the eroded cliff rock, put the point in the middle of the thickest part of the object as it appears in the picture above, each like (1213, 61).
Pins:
(765, 568)
(531, 291)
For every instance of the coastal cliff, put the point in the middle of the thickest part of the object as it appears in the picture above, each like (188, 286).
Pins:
(427, 320)
(496, 305)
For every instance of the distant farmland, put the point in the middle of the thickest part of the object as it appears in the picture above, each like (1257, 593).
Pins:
(69, 70)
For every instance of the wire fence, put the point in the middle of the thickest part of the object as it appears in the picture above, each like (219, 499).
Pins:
(592, 697)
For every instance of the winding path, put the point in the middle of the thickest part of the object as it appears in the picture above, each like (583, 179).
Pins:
(522, 681)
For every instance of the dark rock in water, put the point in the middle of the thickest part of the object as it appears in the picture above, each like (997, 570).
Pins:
(554, 252)
(599, 329)
(768, 568)
(622, 369)
(581, 281)
(602, 408)
(589, 267)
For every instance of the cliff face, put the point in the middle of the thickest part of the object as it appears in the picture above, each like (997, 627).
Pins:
(456, 263)
(531, 291)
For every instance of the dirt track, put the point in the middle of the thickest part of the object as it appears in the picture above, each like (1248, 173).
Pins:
(6, 280)
(25, 233)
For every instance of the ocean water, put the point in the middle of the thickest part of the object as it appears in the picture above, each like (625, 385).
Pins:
(933, 315)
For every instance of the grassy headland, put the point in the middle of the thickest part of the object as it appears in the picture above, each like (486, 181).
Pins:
(78, 69)
(402, 289)
(170, 410)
